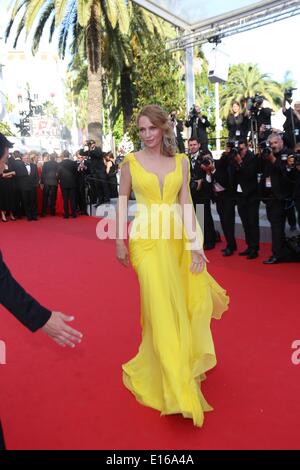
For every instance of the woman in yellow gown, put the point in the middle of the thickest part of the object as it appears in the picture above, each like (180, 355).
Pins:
(178, 296)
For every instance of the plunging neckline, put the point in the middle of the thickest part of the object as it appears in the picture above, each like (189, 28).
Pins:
(161, 188)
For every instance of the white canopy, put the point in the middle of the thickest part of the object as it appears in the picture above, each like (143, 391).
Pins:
(194, 15)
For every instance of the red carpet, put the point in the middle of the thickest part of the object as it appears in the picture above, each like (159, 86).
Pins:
(54, 398)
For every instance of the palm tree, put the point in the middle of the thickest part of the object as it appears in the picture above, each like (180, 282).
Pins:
(244, 81)
(82, 20)
(119, 52)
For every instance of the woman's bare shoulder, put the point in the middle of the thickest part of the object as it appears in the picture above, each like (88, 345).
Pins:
(127, 159)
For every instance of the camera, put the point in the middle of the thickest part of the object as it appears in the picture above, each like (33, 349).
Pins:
(234, 149)
(193, 112)
(206, 161)
(296, 159)
(255, 102)
(266, 149)
(288, 94)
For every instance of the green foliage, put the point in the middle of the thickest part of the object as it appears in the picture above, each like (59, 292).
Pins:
(244, 81)
(5, 129)
(118, 130)
(49, 109)
(76, 93)
(157, 80)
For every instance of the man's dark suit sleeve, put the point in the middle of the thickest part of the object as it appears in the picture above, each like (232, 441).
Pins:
(24, 307)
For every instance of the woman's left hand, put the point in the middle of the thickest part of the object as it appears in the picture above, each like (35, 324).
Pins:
(198, 261)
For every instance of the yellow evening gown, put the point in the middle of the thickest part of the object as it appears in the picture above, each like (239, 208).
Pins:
(176, 305)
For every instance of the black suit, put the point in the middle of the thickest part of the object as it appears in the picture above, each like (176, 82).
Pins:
(67, 173)
(275, 188)
(82, 171)
(15, 165)
(199, 126)
(291, 138)
(247, 197)
(203, 196)
(294, 176)
(99, 181)
(2, 443)
(24, 307)
(224, 177)
(178, 129)
(27, 184)
(49, 179)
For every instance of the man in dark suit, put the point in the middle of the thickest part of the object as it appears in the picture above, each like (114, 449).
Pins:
(199, 125)
(245, 167)
(15, 161)
(225, 197)
(276, 188)
(201, 188)
(67, 173)
(97, 172)
(82, 172)
(24, 307)
(178, 129)
(27, 182)
(49, 179)
(293, 173)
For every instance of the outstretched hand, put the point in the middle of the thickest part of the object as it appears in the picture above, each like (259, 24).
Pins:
(60, 332)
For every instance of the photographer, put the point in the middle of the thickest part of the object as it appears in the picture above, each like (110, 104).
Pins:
(276, 189)
(178, 129)
(198, 124)
(237, 123)
(224, 193)
(111, 172)
(82, 172)
(264, 133)
(259, 118)
(293, 171)
(245, 167)
(201, 167)
(291, 126)
(256, 109)
(99, 184)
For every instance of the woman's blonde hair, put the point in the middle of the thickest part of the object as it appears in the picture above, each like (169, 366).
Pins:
(160, 119)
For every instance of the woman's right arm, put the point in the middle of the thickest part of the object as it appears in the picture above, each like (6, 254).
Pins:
(121, 215)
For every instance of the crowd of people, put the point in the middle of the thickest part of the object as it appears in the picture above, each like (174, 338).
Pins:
(34, 185)
(259, 164)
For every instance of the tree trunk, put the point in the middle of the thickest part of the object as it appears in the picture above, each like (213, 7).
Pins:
(126, 96)
(95, 105)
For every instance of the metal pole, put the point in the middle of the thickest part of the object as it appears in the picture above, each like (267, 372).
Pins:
(189, 78)
(218, 120)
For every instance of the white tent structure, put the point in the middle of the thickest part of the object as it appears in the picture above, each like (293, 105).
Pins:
(200, 15)
(200, 21)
